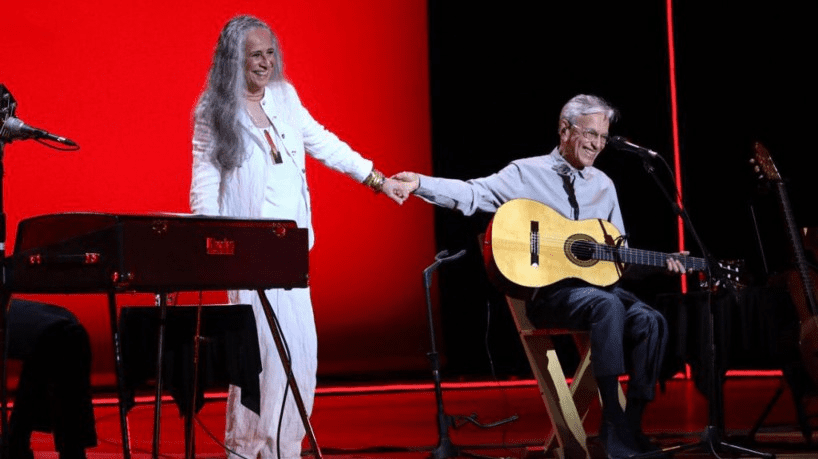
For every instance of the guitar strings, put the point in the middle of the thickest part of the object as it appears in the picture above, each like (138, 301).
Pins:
(589, 247)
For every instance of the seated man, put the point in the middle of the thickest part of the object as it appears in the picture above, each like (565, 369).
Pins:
(627, 335)
(54, 389)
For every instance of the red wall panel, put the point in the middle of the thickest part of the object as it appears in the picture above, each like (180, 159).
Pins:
(121, 80)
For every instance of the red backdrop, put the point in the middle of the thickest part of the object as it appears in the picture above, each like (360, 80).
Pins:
(121, 80)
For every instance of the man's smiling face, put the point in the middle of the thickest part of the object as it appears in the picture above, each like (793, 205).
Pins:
(581, 142)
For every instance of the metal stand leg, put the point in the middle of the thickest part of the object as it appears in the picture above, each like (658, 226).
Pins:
(5, 299)
(445, 448)
(272, 321)
(6, 293)
(120, 376)
(190, 437)
(160, 351)
(711, 441)
(754, 430)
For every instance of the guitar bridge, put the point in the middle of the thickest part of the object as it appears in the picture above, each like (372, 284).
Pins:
(534, 248)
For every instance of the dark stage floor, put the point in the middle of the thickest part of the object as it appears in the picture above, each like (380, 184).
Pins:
(394, 421)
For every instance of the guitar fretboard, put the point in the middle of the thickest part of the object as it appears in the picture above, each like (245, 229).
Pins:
(796, 246)
(590, 250)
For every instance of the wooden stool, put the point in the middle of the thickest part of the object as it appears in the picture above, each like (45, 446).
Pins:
(567, 405)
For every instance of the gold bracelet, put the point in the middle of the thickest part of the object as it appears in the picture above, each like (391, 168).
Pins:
(375, 180)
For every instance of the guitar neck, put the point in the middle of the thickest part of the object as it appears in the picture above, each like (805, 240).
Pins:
(646, 257)
(765, 166)
(796, 246)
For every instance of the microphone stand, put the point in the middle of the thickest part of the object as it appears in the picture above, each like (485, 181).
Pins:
(7, 107)
(445, 448)
(5, 300)
(710, 441)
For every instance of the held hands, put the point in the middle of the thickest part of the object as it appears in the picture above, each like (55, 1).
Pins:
(400, 186)
(393, 190)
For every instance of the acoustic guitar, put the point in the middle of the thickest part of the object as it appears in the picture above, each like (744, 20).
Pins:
(531, 245)
(801, 279)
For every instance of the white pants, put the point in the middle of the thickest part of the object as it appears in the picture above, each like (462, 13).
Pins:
(255, 436)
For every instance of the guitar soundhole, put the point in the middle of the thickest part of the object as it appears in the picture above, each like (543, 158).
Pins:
(580, 250)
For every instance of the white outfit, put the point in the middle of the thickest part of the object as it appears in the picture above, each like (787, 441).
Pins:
(260, 189)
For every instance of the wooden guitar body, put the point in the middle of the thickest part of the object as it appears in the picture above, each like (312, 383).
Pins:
(801, 280)
(808, 322)
(532, 245)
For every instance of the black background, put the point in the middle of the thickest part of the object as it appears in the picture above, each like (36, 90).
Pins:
(500, 72)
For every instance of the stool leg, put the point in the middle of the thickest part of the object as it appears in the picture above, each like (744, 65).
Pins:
(558, 397)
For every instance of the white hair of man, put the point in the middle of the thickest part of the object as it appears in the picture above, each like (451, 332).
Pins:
(584, 104)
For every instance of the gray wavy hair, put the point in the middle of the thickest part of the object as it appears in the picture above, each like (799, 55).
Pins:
(584, 104)
(221, 100)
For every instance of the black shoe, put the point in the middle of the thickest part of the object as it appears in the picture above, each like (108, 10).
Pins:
(646, 445)
(618, 440)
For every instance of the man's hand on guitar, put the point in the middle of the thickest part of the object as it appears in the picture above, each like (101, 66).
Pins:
(674, 265)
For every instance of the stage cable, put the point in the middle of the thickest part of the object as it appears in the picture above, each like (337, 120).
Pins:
(196, 415)
(486, 341)
(213, 437)
(496, 380)
(286, 387)
(491, 362)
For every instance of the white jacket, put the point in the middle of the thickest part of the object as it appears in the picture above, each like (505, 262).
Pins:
(259, 188)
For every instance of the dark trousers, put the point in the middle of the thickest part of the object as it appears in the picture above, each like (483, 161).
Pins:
(626, 334)
(54, 389)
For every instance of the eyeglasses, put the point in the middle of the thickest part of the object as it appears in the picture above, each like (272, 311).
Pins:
(591, 134)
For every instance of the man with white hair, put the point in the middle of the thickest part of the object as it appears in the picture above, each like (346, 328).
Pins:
(627, 335)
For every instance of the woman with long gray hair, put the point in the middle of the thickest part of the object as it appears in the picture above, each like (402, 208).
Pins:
(251, 135)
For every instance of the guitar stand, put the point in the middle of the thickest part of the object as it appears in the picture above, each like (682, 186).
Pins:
(710, 439)
(795, 377)
(445, 448)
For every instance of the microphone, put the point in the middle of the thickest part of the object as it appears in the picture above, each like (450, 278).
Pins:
(14, 128)
(620, 143)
